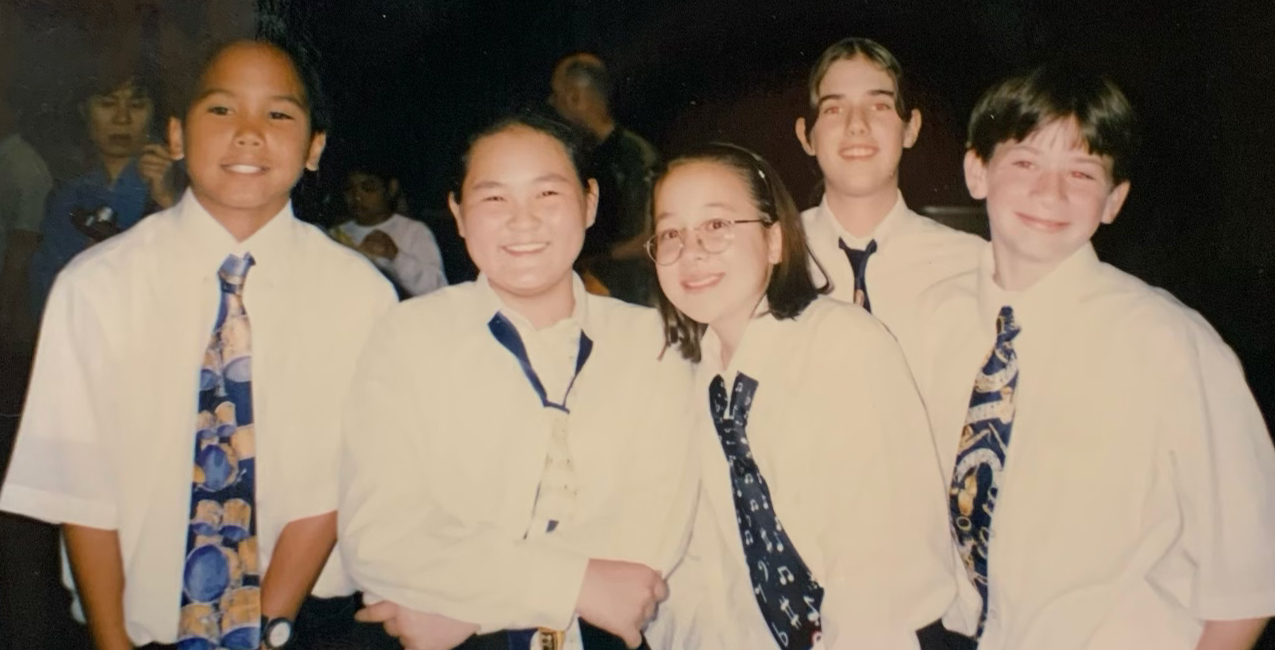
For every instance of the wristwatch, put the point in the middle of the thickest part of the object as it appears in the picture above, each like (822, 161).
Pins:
(275, 632)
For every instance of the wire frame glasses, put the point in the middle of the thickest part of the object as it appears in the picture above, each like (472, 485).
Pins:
(713, 236)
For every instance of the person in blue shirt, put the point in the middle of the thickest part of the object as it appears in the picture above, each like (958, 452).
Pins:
(131, 177)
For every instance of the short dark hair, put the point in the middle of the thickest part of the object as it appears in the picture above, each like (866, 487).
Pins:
(1016, 107)
(570, 139)
(791, 288)
(850, 48)
(589, 71)
(304, 60)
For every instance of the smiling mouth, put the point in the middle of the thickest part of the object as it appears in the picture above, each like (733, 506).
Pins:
(701, 283)
(857, 152)
(1041, 224)
(244, 168)
(524, 249)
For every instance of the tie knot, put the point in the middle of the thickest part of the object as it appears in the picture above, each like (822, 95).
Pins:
(1006, 327)
(234, 271)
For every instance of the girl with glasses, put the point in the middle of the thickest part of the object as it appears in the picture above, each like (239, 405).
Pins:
(821, 522)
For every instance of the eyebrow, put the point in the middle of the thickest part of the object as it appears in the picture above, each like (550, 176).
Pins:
(291, 99)
(715, 204)
(876, 92)
(1079, 154)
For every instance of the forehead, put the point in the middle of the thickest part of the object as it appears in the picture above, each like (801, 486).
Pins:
(517, 153)
(1061, 135)
(256, 65)
(696, 184)
(128, 88)
(855, 75)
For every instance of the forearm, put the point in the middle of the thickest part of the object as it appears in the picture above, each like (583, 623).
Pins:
(1231, 635)
(99, 579)
(298, 558)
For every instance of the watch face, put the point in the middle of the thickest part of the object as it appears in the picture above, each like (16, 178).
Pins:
(278, 633)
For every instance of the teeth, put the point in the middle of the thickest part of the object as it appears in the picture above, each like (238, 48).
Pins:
(244, 169)
(859, 151)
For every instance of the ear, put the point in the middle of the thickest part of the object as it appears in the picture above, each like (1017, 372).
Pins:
(800, 128)
(176, 145)
(591, 203)
(975, 175)
(454, 206)
(912, 129)
(774, 244)
(317, 142)
(1115, 200)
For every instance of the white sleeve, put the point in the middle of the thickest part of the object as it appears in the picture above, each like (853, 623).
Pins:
(1225, 479)
(62, 469)
(888, 548)
(400, 544)
(418, 267)
(682, 620)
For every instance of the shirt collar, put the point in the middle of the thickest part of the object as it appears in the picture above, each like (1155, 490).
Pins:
(758, 335)
(207, 242)
(1043, 304)
(881, 234)
(492, 304)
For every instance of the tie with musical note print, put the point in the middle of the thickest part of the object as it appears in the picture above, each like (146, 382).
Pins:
(786, 591)
(980, 458)
(859, 264)
(221, 580)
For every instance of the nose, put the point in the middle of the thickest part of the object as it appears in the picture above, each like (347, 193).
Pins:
(524, 217)
(248, 133)
(1049, 186)
(856, 121)
(122, 114)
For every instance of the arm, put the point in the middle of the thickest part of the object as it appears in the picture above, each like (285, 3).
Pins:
(1231, 635)
(418, 267)
(909, 560)
(298, 558)
(94, 555)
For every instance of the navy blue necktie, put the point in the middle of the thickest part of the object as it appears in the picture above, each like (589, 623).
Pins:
(859, 264)
(980, 458)
(786, 591)
(221, 592)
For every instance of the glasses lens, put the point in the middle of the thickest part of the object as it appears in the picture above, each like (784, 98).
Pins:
(665, 247)
(715, 235)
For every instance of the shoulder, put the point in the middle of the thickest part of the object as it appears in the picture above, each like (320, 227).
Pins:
(639, 147)
(410, 226)
(23, 164)
(131, 257)
(632, 325)
(839, 327)
(348, 272)
(1148, 318)
(951, 240)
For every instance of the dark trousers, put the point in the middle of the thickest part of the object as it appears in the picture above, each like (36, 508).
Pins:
(593, 639)
(936, 637)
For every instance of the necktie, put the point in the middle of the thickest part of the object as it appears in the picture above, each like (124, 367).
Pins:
(555, 497)
(786, 591)
(980, 458)
(859, 264)
(221, 593)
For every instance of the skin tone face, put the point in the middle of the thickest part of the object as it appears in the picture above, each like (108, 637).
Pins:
(247, 137)
(118, 124)
(523, 213)
(858, 137)
(719, 289)
(1046, 196)
(368, 198)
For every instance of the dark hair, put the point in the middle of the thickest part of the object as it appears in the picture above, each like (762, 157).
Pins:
(791, 287)
(372, 167)
(304, 61)
(588, 70)
(569, 138)
(1014, 108)
(851, 48)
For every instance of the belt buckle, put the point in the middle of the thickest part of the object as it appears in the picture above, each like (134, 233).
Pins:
(551, 639)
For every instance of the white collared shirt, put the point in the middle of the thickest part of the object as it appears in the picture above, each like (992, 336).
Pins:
(107, 436)
(839, 434)
(913, 254)
(418, 267)
(1138, 498)
(446, 444)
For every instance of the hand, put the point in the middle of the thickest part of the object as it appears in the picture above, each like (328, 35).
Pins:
(620, 597)
(379, 244)
(154, 165)
(417, 630)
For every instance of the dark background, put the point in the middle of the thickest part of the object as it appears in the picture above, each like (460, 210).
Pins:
(410, 78)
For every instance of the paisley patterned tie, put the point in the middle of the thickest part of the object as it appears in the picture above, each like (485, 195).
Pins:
(786, 591)
(980, 458)
(221, 592)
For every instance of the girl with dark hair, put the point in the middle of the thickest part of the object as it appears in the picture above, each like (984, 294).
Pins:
(821, 522)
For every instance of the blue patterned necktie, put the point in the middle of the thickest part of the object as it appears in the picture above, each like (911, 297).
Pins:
(221, 580)
(786, 591)
(980, 458)
(859, 263)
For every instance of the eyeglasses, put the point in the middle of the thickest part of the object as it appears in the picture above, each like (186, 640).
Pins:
(714, 236)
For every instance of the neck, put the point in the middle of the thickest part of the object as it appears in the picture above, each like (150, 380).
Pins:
(600, 126)
(544, 309)
(1014, 273)
(860, 215)
(730, 331)
(240, 223)
(114, 166)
